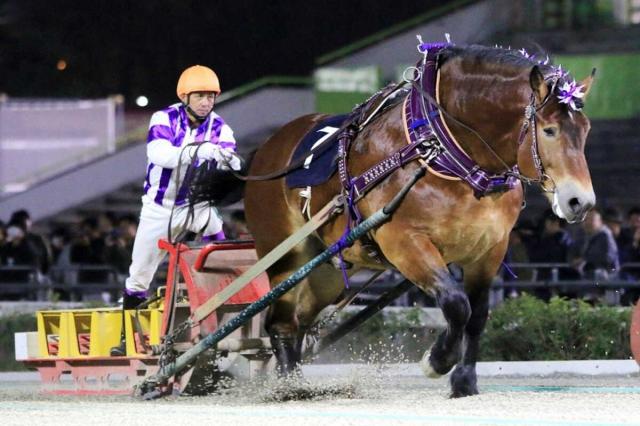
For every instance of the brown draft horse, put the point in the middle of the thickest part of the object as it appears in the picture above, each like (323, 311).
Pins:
(440, 221)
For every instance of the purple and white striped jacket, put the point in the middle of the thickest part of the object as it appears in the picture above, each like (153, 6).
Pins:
(169, 131)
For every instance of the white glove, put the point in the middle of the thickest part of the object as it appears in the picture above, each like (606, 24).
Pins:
(208, 151)
(227, 160)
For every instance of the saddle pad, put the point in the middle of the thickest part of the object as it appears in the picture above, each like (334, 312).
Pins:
(319, 167)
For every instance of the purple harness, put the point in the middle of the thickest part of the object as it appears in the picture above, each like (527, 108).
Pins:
(424, 122)
(429, 139)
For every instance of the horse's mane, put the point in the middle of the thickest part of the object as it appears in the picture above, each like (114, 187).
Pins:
(500, 59)
(498, 56)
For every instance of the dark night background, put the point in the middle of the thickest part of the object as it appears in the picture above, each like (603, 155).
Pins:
(140, 47)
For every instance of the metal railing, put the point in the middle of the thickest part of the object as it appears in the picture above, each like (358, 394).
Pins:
(555, 268)
(22, 281)
(611, 286)
(75, 282)
(94, 282)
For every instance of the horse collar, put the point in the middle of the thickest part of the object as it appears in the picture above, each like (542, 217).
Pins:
(424, 122)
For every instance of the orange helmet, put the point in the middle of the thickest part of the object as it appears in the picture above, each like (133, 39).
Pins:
(197, 79)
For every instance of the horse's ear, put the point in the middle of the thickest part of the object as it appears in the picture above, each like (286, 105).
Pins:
(539, 86)
(587, 82)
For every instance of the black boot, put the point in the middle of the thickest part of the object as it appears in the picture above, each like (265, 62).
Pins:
(288, 356)
(128, 302)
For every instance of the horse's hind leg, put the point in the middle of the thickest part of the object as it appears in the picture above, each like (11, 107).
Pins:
(477, 279)
(286, 342)
(281, 322)
(419, 261)
(291, 316)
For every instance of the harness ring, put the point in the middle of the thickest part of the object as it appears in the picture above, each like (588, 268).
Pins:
(415, 78)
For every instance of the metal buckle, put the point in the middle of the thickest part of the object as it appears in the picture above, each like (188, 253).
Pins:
(529, 112)
(432, 149)
(430, 155)
(544, 177)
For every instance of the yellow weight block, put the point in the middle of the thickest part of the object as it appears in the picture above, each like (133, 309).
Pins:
(150, 324)
(87, 333)
(48, 333)
(106, 326)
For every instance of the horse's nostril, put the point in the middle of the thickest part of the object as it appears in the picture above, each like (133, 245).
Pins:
(575, 205)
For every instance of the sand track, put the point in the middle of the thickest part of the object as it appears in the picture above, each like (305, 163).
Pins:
(382, 397)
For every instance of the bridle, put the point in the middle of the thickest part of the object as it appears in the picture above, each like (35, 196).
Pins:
(530, 122)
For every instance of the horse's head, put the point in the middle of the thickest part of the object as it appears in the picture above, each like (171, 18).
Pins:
(488, 89)
(560, 130)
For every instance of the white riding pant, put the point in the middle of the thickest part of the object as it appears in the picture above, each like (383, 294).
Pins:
(154, 222)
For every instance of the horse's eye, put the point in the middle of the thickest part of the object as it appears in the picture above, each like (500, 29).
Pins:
(550, 131)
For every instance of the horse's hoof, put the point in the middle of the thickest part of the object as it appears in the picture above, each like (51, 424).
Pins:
(426, 367)
(463, 394)
(289, 373)
(464, 382)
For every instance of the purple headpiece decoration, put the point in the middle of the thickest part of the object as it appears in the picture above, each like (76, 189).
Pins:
(568, 91)
(424, 47)
(571, 94)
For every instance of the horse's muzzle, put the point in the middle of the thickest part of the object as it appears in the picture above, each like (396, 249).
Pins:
(580, 207)
(572, 203)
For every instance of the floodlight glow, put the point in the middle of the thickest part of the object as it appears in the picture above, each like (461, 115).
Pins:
(142, 101)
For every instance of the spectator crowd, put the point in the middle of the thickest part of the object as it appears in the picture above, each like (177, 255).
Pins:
(102, 242)
(603, 247)
(593, 250)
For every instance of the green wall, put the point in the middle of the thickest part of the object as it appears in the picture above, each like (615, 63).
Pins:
(616, 90)
(615, 93)
(338, 90)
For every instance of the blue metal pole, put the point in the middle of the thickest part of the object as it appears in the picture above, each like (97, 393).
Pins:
(375, 220)
(259, 305)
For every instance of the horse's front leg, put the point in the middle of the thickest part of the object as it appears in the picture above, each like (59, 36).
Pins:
(477, 282)
(421, 262)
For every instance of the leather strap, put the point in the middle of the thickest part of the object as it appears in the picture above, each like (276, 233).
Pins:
(360, 116)
(263, 264)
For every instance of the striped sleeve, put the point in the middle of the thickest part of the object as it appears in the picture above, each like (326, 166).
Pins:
(160, 127)
(160, 150)
(226, 139)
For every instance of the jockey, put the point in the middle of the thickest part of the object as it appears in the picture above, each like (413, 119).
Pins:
(192, 121)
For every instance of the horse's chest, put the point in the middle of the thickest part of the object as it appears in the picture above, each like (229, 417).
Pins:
(471, 238)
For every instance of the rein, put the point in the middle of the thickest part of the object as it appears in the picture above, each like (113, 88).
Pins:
(320, 148)
(359, 122)
(191, 213)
